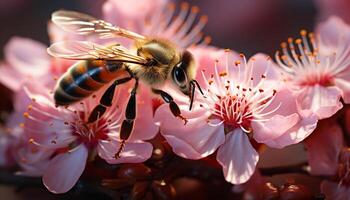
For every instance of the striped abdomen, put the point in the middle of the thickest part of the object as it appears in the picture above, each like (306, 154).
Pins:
(84, 78)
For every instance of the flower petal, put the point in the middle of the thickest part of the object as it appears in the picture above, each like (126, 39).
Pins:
(323, 146)
(323, 101)
(237, 157)
(65, 169)
(132, 152)
(32, 63)
(330, 33)
(344, 85)
(196, 139)
(10, 77)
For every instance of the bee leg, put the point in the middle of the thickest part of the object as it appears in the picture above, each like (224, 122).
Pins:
(106, 100)
(174, 108)
(128, 123)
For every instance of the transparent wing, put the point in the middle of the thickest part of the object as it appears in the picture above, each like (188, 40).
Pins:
(84, 24)
(83, 50)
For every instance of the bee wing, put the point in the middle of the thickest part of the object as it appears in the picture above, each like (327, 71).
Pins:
(83, 50)
(84, 24)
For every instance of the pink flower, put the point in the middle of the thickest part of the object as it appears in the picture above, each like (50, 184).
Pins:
(339, 188)
(158, 19)
(322, 147)
(243, 101)
(65, 135)
(26, 59)
(320, 75)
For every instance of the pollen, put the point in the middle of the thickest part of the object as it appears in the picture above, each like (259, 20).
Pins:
(298, 41)
(21, 125)
(195, 9)
(26, 115)
(222, 74)
(237, 62)
(31, 140)
(303, 32)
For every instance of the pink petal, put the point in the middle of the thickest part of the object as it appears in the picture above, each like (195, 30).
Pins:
(237, 157)
(65, 169)
(323, 101)
(196, 139)
(344, 85)
(332, 190)
(27, 57)
(305, 126)
(10, 77)
(330, 31)
(129, 15)
(285, 126)
(274, 127)
(132, 152)
(323, 146)
(263, 65)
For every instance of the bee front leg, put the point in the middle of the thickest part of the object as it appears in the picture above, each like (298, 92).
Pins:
(106, 100)
(174, 108)
(128, 123)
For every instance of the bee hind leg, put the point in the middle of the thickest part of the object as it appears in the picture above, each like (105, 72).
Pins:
(106, 100)
(128, 122)
(174, 108)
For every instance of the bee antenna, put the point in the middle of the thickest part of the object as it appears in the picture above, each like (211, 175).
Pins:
(199, 87)
(193, 88)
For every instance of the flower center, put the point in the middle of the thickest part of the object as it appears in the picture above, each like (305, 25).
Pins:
(234, 111)
(89, 134)
(304, 63)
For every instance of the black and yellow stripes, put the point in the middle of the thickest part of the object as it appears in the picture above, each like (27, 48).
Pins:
(84, 78)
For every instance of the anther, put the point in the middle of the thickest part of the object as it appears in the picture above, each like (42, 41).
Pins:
(237, 62)
(25, 114)
(298, 41)
(284, 45)
(195, 9)
(303, 32)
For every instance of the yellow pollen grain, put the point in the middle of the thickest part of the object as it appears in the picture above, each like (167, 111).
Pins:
(195, 9)
(298, 41)
(21, 125)
(237, 62)
(311, 35)
(31, 140)
(290, 40)
(171, 6)
(222, 74)
(26, 114)
(207, 39)
(284, 45)
(184, 5)
(303, 32)
(204, 19)
(210, 82)
(241, 55)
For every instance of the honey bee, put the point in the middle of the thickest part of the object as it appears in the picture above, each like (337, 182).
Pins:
(155, 61)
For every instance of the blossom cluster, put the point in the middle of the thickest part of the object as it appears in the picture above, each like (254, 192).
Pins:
(247, 103)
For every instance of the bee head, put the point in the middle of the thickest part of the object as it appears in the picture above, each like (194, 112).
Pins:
(183, 75)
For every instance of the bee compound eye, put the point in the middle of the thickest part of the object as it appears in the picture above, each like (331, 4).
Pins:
(180, 77)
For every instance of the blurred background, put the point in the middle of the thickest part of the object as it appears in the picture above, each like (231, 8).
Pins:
(247, 26)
